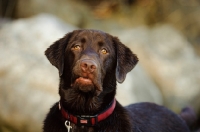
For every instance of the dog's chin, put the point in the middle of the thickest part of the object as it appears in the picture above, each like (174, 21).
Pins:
(85, 85)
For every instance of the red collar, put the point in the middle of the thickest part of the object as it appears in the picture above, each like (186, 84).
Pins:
(88, 120)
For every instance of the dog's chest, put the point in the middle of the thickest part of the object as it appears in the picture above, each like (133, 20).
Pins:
(75, 128)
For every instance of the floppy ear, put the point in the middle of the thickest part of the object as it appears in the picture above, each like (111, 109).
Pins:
(126, 60)
(55, 53)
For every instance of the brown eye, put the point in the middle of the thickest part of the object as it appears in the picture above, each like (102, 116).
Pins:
(77, 47)
(104, 51)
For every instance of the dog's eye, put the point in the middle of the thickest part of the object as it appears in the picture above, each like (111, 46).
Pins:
(76, 47)
(104, 51)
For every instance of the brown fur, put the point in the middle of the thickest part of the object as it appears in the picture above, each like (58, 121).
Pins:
(89, 64)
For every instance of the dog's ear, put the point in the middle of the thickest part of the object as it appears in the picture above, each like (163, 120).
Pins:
(126, 60)
(55, 53)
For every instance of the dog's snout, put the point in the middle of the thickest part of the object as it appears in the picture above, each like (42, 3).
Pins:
(88, 66)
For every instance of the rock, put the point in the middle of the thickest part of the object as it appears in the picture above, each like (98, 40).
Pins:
(138, 87)
(170, 61)
(28, 82)
(73, 12)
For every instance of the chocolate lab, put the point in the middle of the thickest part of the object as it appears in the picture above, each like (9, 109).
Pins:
(89, 64)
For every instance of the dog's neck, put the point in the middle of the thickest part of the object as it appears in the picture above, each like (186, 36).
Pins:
(82, 104)
(77, 103)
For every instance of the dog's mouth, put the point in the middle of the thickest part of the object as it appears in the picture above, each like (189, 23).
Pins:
(86, 85)
(83, 84)
(84, 81)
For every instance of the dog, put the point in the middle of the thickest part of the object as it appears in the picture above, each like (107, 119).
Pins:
(90, 62)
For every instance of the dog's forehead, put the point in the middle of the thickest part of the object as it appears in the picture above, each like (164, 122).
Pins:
(93, 35)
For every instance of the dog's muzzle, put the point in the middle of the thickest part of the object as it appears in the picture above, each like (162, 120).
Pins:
(88, 77)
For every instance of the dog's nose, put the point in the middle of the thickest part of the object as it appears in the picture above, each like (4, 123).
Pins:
(88, 66)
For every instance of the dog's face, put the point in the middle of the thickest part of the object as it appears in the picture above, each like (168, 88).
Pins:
(90, 55)
(89, 63)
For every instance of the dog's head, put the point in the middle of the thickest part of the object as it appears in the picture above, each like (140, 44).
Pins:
(89, 62)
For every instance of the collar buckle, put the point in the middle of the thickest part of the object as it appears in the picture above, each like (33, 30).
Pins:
(87, 120)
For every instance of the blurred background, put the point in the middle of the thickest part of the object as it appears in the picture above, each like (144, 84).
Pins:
(165, 34)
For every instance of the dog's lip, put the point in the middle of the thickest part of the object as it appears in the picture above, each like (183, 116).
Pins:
(84, 80)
